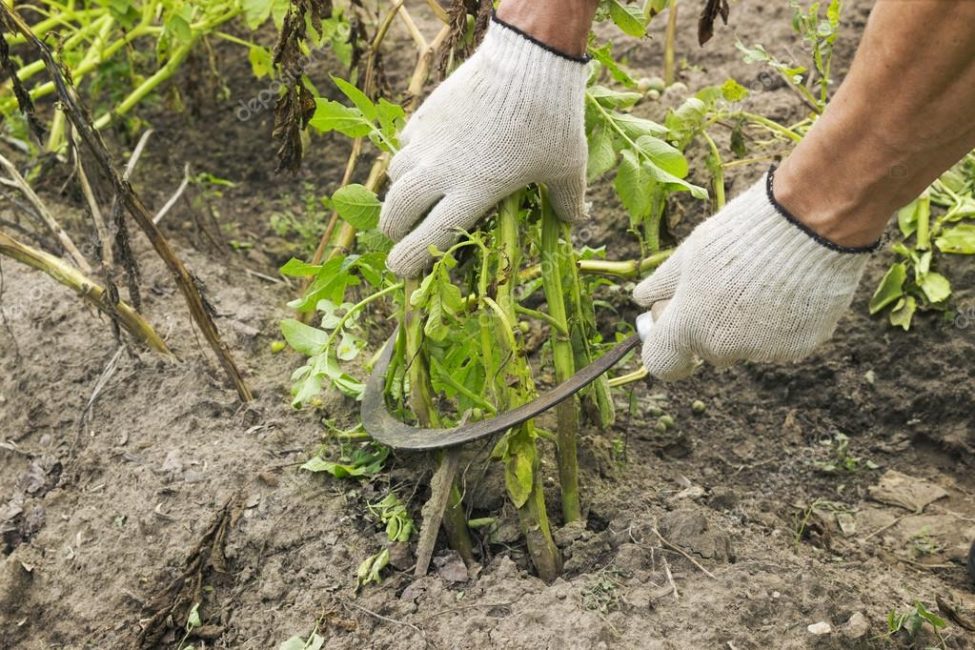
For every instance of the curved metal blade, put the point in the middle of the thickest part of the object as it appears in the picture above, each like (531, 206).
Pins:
(386, 429)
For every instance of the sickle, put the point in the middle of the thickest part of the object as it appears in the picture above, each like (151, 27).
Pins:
(386, 429)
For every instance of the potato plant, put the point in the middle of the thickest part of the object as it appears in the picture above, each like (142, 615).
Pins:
(124, 51)
(912, 283)
(469, 327)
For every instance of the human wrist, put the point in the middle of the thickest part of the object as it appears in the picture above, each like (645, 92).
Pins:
(560, 25)
(840, 198)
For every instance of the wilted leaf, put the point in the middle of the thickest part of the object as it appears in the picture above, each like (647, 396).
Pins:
(890, 289)
(935, 286)
(959, 240)
(903, 312)
(518, 478)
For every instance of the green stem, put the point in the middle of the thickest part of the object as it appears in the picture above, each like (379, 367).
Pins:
(620, 268)
(531, 512)
(716, 166)
(775, 127)
(540, 315)
(924, 222)
(669, 43)
(567, 412)
(454, 520)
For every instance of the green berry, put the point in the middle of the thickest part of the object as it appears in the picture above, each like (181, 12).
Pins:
(698, 407)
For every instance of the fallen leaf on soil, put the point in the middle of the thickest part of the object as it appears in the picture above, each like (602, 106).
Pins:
(905, 491)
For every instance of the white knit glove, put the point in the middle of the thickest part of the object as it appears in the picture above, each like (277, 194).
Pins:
(751, 283)
(511, 115)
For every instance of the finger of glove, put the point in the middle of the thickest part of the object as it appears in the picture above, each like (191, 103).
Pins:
(411, 257)
(662, 284)
(663, 355)
(568, 195)
(407, 159)
(406, 201)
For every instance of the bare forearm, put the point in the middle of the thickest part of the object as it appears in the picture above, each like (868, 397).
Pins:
(561, 24)
(904, 114)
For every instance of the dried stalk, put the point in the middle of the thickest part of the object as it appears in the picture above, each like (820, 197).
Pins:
(108, 259)
(199, 309)
(49, 221)
(120, 312)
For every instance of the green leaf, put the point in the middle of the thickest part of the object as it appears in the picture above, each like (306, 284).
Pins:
(628, 18)
(604, 56)
(260, 60)
(935, 286)
(602, 155)
(518, 478)
(663, 155)
(959, 240)
(391, 117)
(303, 338)
(295, 268)
(348, 348)
(890, 289)
(907, 218)
(673, 183)
(314, 642)
(613, 98)
(357, 97)
(903, 312)
(364, 462)
(333, 116)
(193, 620)
(179, 28)
(357, 205)
(634, 126)
(733, 91)
(256, 12)
(279, 9)
(633, 185)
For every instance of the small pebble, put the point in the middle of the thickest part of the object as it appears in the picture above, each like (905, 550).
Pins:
(820, 628)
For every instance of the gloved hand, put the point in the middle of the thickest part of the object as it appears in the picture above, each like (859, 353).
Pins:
(751, 283)
(511, 115)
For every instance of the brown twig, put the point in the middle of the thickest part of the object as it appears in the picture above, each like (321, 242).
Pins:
(187, 588)
(199, 309)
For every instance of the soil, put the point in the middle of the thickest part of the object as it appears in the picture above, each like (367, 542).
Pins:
(726, 531)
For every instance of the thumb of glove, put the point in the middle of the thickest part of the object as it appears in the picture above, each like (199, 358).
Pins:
(662, 354)
(568, 196)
